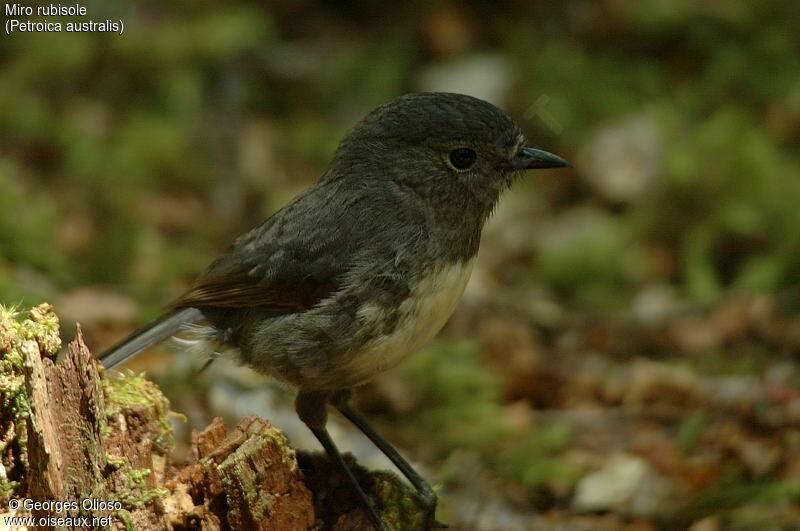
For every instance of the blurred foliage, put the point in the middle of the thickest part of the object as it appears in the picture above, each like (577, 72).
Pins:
(467, 411)
(98, 126)
(128, 162)
(464, 410)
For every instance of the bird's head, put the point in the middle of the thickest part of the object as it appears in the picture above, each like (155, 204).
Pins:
(441, 145)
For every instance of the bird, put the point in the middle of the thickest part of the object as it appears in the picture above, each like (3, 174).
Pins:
(361, 269)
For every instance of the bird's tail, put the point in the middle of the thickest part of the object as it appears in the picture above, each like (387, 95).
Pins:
(162, 328)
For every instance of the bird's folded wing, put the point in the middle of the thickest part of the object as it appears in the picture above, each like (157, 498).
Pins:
(242, 288)
(294, 260)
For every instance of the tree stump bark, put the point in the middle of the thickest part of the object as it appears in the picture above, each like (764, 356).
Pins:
(82, 449)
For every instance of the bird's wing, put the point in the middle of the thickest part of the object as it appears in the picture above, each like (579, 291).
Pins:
(295, 259)
(236, 281)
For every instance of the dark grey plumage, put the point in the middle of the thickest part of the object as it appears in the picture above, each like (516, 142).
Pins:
(387, 210)
(365, 266)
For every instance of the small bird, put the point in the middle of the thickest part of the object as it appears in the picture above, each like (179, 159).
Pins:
(364, 267)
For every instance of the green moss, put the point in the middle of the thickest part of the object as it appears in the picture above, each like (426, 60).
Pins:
(27, 234)
(690, 430)
(8, 489)
(461, 397)
(39, 324)
(125, 518)
(462, 409)
(745, 502)
(17, 330)
(126, 389)
(234, 471)
(534, 458)
(136, 493)
(398, 508)
(587, 262)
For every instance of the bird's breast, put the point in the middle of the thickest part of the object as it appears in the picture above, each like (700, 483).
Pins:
(431, 301)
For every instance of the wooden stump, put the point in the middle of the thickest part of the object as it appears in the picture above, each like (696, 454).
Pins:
(94, 451)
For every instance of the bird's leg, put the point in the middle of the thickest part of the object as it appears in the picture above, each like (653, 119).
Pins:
(425, 495)
(205, 366)
(310, 408)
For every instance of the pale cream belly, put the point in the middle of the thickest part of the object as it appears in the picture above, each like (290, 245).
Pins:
(420, 317)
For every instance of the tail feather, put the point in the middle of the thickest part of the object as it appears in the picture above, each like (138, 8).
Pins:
(164, 327)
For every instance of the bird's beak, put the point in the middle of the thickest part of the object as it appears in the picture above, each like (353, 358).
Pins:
(529, 158)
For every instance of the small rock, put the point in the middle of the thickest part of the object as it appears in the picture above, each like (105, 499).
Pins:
(90, 306)
(628, 485)
(709, 523)
(485, 76)
(654, 305)
(623, 160)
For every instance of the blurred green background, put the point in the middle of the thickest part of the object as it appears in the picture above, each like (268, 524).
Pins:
(632, 322)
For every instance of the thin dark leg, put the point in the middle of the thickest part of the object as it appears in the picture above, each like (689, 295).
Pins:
(205, 366)
(333, 452)
(311, 408)
(425, 494)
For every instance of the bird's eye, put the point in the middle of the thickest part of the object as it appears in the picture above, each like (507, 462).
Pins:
(462, 158)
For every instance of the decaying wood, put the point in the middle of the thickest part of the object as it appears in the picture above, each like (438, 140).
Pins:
(246, 480)
(101, 444)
